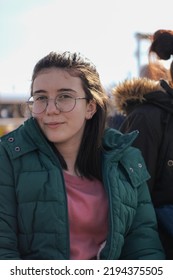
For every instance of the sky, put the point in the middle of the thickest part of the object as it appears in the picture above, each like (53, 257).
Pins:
(102, 30)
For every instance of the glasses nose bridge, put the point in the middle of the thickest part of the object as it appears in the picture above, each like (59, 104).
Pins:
(54, 103)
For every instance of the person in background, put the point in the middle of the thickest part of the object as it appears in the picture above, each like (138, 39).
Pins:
(162, 45)
(70, 188)
(148, 106)
(154, 70)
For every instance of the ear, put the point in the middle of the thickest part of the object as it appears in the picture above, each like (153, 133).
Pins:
(91, 109)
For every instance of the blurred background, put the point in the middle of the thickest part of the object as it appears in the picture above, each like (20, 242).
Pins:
(113, 34)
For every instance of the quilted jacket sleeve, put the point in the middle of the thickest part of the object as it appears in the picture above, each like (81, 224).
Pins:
(142, 240)
(8, 210)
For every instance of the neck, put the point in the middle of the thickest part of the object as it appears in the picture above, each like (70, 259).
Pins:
(69, 154)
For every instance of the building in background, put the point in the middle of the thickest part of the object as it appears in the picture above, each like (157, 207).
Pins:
(11, 112)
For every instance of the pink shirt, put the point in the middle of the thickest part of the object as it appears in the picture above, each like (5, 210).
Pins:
(88, 216)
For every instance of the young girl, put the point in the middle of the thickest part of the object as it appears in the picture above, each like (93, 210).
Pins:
(69, 187)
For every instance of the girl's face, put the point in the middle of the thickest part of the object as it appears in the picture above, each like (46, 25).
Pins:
(62, 127)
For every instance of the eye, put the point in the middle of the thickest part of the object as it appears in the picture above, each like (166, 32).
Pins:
(40, 98)
(64, 96)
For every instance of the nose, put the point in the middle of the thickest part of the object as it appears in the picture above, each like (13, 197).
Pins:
(51, 107)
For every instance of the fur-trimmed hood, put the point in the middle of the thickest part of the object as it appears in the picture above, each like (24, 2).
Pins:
(142, 90)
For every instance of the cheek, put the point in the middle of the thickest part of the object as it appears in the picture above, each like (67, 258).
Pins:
(38, 118)
(80, 112)
(77, 119)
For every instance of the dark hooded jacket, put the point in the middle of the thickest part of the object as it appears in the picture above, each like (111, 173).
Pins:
(148, 107)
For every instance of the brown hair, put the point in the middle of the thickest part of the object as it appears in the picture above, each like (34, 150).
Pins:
(88, 162)
(154, 71)
(162, 46)
(162, 43)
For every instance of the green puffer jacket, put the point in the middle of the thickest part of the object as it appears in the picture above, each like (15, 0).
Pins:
(33, 202)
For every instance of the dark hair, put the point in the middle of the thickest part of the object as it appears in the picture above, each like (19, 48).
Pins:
(88, 162)
(162, 43)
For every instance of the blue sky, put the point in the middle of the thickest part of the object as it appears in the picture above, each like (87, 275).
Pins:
(103, 30)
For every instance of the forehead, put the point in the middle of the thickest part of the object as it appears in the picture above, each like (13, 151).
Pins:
(57, 77)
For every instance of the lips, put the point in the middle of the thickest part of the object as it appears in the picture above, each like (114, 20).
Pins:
(54, 124)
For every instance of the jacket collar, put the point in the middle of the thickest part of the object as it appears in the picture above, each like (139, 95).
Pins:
(115, 143)
(26, 138)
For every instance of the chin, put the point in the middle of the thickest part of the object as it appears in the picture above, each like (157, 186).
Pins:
(55, 139)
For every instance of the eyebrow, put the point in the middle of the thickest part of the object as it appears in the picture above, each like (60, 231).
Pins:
(39, 91)
(59, 90)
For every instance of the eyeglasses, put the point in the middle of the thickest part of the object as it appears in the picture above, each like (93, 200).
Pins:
(64, 103)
